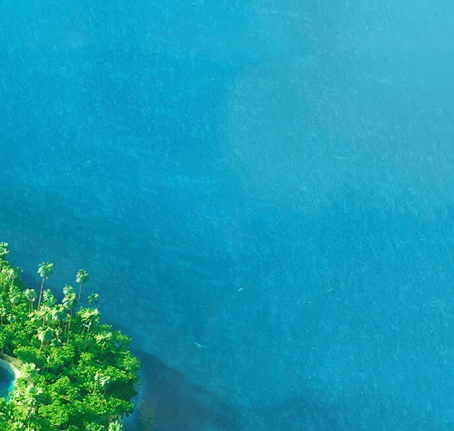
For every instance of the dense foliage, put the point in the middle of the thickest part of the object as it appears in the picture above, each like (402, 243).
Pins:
(77, 374)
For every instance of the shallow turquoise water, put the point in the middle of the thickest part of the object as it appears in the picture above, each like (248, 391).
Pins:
(6, 383)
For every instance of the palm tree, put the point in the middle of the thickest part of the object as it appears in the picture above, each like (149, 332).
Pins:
(116, 426)
(102, 339)
(14, 296)
(9, 274)
(89, 316)
(81, 277)
(3, 275)
(44, 335)
(94, 427)
(43, 313)
(29, 370)
(93, 299)
(56, 342)
(103, 381)
(68, 302)
(48, 298)
(3, 249)
(30, 294)
(97, 377)
(26, 401)
(31, 393)
(3, 312)
(3, 252)
(13, 274)
(58, 313)
(45, 270)
(69, 298)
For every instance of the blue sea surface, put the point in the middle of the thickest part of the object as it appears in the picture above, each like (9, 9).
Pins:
(262, 193)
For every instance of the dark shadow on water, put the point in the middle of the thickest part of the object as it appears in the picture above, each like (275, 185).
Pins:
(176, 404)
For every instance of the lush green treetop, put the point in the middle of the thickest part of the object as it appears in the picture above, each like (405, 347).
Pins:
(77, 374)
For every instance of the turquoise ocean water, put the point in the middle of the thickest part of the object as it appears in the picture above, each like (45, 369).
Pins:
(262, 193)
(6, 383)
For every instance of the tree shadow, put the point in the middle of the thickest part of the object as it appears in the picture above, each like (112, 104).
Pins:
(168, 401)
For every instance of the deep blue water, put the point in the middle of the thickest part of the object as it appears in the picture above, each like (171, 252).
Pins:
(262, 193)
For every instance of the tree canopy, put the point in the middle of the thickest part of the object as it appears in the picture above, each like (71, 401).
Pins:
(77, 373)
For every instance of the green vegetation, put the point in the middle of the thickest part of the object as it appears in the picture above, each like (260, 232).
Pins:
(77, 374)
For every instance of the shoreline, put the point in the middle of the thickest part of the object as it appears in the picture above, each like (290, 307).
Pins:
(11, 364)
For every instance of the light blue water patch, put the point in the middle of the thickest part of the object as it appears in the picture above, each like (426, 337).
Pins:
(6, 382)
